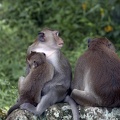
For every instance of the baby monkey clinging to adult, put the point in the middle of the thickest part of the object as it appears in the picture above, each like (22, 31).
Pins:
(31, 86)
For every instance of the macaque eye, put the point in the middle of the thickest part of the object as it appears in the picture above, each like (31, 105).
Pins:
(41, 36)
(44, 54)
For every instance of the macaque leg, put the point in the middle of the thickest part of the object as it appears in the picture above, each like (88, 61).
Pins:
(46, 101)
(41, 107)
(83, 98)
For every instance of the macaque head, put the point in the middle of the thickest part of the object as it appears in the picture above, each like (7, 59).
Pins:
(34, 59)
(101, 41)
(48, 40)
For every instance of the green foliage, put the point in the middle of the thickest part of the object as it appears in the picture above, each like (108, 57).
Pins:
(77, 20)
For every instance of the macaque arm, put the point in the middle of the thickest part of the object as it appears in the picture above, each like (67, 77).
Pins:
(58, 80)
(27, 70)
(83, 98)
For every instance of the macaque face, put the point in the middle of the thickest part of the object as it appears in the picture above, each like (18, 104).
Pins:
(47, 40)
(35, 59)
(52, 39)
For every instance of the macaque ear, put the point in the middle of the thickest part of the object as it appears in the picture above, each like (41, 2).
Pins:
(30, 55)
(35, 64)
(41, 36)
(89, 40)
(57, 33)
(32, 52)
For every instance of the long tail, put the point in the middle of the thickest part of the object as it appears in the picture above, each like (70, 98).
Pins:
(73, 105)
(17, 105)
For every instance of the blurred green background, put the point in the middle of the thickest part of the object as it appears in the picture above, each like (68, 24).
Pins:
(77, 20)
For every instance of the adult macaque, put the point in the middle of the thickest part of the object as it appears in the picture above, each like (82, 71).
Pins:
(97, 75)
(31, 86)
(56, 90)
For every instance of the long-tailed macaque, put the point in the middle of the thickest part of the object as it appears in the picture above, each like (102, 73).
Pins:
(97, 76)
(31, 86)
(56, 90)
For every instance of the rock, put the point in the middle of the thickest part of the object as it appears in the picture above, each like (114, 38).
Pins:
(62, 111)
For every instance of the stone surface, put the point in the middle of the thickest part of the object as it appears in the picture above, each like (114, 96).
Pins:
(62, 111)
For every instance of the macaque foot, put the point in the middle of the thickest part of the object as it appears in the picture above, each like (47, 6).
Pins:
(31, 108)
